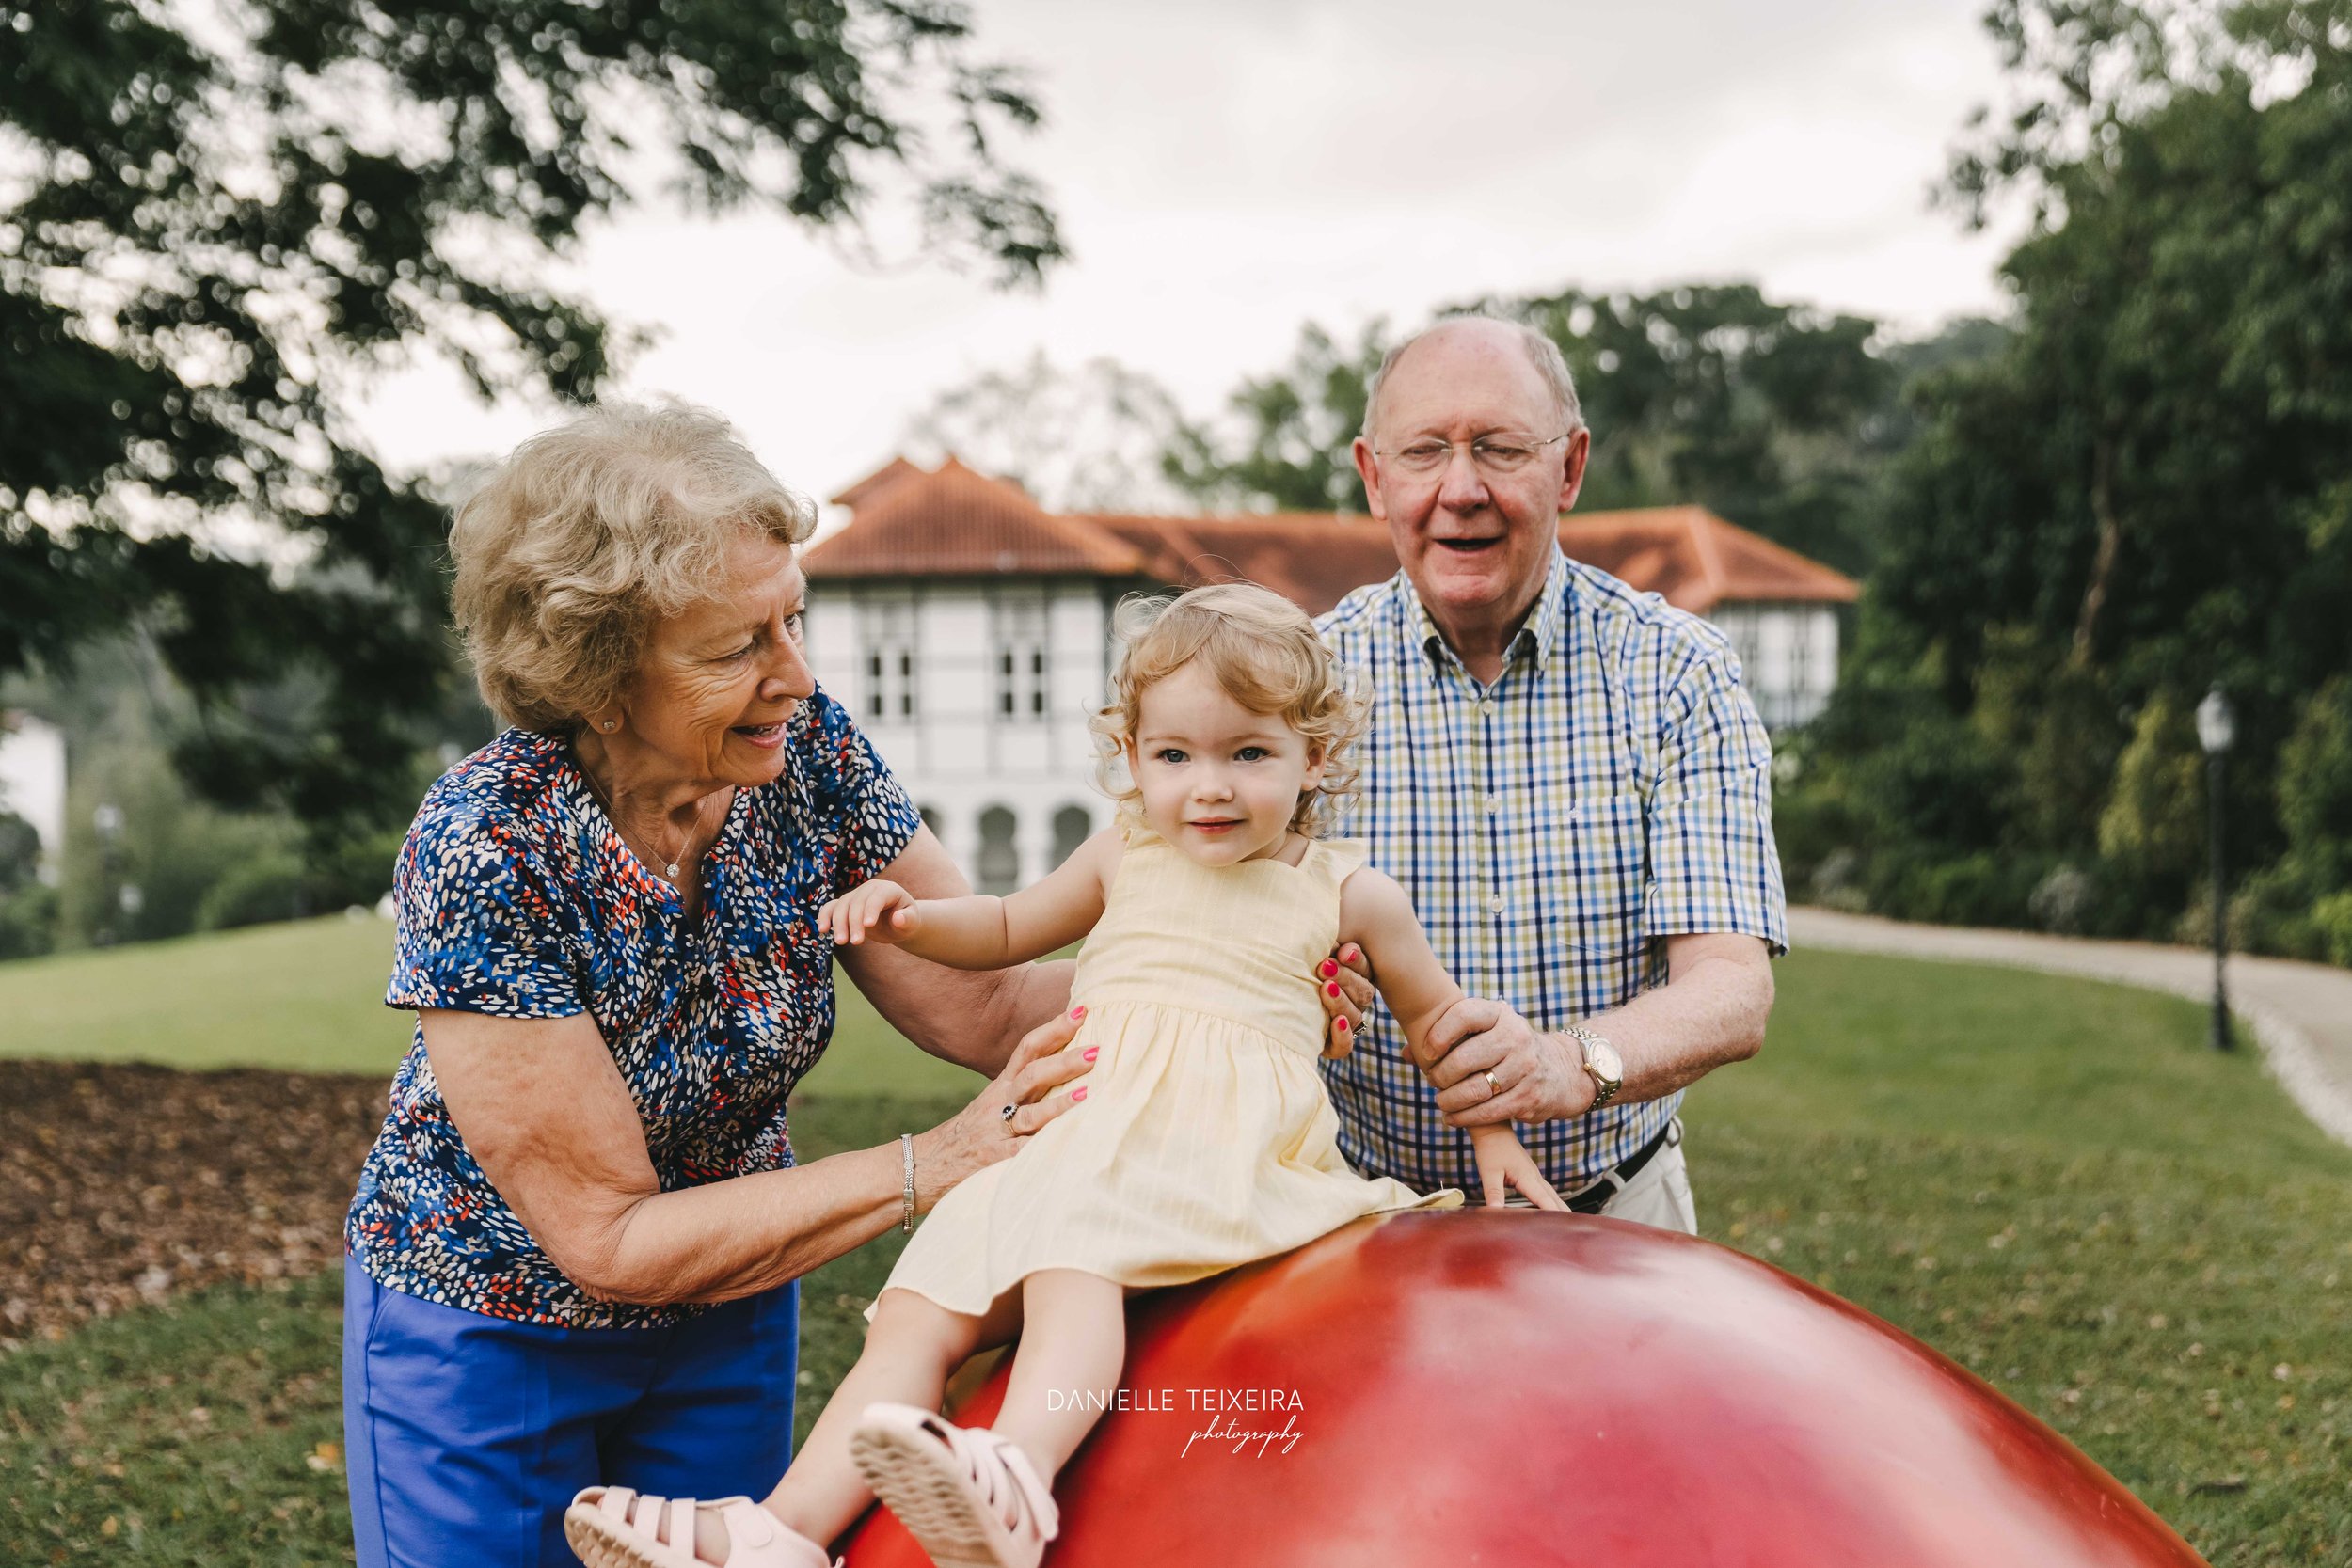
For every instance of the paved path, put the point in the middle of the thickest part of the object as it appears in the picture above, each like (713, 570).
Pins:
(2300, 1013)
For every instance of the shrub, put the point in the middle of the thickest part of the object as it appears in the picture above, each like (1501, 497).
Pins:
(2064, 901)
(1811, 825)
(270, 886)
(2315, 789)
(28, 921)
(1936, 785)
(1980, 889)
(2153, 825)
(2058, 719)
(2270, 912)
(2332, 920)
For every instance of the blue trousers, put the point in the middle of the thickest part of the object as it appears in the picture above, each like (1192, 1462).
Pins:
(466, 1435)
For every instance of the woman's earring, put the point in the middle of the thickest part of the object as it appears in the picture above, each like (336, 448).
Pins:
(610, 725)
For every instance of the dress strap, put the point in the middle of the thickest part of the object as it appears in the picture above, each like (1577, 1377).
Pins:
(1332, 860)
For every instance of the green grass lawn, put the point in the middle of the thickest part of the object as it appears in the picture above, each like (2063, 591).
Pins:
(308, 995)
(2050, 1180)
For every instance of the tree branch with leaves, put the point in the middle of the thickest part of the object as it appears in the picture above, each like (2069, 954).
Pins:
(218, 221)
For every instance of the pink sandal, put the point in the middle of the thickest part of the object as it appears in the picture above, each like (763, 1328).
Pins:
(612, 1527)
(949, 1485)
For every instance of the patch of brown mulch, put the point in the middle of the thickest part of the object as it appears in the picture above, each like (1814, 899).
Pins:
(121, 1184)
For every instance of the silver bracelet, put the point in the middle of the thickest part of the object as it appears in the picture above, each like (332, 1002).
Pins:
(906, 1146)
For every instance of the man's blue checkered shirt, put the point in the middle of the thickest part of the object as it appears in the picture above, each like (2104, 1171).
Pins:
(1612, 788)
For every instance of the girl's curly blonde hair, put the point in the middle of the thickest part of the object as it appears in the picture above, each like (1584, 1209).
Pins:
(1265, 654)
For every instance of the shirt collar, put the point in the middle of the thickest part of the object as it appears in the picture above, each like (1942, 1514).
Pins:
(1538, 636)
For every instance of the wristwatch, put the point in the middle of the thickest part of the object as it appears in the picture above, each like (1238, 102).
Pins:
(1601, 1063)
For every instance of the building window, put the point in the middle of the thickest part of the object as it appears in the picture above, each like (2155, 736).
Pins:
(1800, 662)
(1071, 827)
(1787, 658)
(1815, 673)
(1744, 627)
(998, 869)
(1021, 665)
(1754, 637)
(886, 659)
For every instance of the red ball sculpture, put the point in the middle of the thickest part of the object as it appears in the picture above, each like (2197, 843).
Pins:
(1508, 1387)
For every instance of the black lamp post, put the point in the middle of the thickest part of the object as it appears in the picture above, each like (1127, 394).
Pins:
(2216, 727)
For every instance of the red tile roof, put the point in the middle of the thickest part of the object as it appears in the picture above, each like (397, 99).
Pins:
(1312, 558)
(1696, 560)
(871, 485)
(953, 522)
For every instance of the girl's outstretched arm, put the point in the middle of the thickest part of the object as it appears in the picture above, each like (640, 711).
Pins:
(981, 931)
(1375, 913)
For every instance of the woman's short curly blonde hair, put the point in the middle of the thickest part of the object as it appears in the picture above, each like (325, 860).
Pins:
(1265, 654)
(573, 548)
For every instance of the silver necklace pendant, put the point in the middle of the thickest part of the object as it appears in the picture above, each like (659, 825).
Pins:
(669, 867)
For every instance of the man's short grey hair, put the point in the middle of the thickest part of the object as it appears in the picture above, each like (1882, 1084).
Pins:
(1541, 352)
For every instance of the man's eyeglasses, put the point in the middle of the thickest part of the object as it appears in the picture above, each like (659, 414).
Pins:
(1494, 456)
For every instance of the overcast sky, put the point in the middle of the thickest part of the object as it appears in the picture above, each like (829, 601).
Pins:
(1226, 171)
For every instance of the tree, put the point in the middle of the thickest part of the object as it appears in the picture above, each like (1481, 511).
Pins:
(1287, 443)
(1082, 440)
(2150, 488)
(232, 214)
(1780, 417)
(29, 911)
(1777, 416)
(2186, 357)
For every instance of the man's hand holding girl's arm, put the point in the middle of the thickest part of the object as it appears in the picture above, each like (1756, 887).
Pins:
(1710, 1011)
(1376, 915)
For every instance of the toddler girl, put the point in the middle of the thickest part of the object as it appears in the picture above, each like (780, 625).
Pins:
(1204, 1140)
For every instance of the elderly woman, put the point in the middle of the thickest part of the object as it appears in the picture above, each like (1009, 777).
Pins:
(605, 929)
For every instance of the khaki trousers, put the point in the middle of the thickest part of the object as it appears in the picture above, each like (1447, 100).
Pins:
(1658, 1194)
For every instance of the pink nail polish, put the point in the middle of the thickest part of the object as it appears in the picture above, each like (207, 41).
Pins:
(1092, 1052)
(1078, 1093)
(1329, 970)
(1342, 1023)
(1331, 989)
(1078, 1011)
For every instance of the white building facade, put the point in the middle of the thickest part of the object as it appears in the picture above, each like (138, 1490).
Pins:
(977, 695)
(1789, 653)
(32, 782)
(968, 631)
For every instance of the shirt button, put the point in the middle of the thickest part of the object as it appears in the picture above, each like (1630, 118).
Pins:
(1486, 707)
(1493, 804)
(1494, 905)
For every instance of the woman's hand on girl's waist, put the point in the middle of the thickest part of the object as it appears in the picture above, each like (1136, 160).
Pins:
(1038, 1082)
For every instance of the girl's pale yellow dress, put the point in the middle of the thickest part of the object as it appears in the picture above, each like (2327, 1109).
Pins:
(1205, 1140)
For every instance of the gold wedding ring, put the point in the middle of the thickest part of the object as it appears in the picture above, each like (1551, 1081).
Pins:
(1493, 1088)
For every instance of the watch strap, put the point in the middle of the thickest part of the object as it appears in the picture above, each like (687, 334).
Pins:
(1604, 1089)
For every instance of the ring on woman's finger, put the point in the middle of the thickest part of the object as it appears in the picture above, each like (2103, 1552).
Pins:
(1004, 1112)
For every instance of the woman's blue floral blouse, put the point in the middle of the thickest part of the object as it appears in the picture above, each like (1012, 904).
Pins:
(516, 898)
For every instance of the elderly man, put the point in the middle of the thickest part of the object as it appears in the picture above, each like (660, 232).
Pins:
(1568, 779)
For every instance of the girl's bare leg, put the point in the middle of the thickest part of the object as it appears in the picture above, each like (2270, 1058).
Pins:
(912, 1347)
(1073, 1346)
